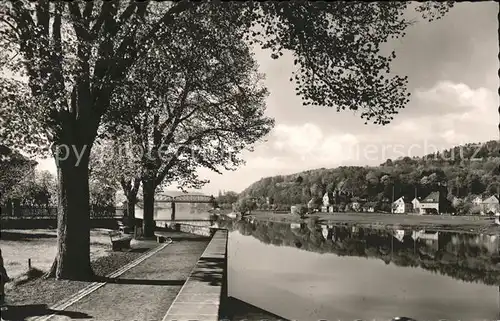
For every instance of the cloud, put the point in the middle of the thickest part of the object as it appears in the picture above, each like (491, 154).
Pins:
(453, 137)
(308, 143)
(456, 114)
(458, 99)
(406, 126)
(260, 162)
(303, 139)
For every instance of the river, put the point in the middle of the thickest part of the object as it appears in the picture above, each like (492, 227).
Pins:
(183, 211)
(301, 272)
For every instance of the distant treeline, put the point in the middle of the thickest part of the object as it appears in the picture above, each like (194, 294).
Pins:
(463, 172)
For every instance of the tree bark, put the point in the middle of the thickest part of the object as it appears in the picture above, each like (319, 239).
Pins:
(73, 220)
(131, 202)
(148, 224)
(172, 211)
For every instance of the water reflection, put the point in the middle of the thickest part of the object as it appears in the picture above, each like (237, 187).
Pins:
(432, 274)
(467, 257)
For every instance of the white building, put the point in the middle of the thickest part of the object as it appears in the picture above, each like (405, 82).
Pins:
(416, 204)
(430, 204)
(400, 206)
(490, 205)
(478, 200)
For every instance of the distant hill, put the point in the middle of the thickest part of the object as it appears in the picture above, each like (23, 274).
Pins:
(463, 171)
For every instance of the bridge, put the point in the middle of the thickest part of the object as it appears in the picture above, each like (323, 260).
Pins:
(188, 198)
(185, 198)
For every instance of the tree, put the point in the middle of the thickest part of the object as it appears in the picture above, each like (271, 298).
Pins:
(330, 188)
(245, 205)
(48, 182)
(227, 199)
(201, 112)
(114, 164)
(15, 170)
(74, 55)
(299, 209)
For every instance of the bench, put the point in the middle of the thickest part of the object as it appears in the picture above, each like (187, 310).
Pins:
(119, 240)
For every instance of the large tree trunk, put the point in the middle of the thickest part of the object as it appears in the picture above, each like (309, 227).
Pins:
(148, 224)
(73, 220)
(131, 201)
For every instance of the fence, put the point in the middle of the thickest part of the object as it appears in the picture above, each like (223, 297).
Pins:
(34, 212)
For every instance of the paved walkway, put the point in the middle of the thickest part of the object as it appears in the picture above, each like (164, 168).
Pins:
(199, 298)
(146, 291)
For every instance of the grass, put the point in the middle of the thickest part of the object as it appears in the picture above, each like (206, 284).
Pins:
(144, 292)
(40, 246)
(27, 276)
(28, 287)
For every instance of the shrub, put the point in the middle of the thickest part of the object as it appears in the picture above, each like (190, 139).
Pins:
(475, 210)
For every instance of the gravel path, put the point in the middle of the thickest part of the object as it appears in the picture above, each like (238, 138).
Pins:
(146, 291)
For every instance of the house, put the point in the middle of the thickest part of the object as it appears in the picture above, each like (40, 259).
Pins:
(416, 204)
(330, 202)
(400, 206)
(491, 205)
(328, 199)
(311, 205)
(365, 208)
(477, 201)
(356, 206)
(430, 204)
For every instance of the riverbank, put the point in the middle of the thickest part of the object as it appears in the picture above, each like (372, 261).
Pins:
(472, 224)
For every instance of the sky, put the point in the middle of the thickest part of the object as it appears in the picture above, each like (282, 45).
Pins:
(452, 68)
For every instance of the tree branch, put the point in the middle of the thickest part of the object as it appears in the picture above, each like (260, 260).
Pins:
(178, 8)
(87, 13)
(42, 17)
(78, 22)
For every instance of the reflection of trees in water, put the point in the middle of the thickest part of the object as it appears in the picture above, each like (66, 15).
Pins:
(467, 257)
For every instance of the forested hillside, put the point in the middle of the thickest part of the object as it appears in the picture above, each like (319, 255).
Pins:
(463, 171)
